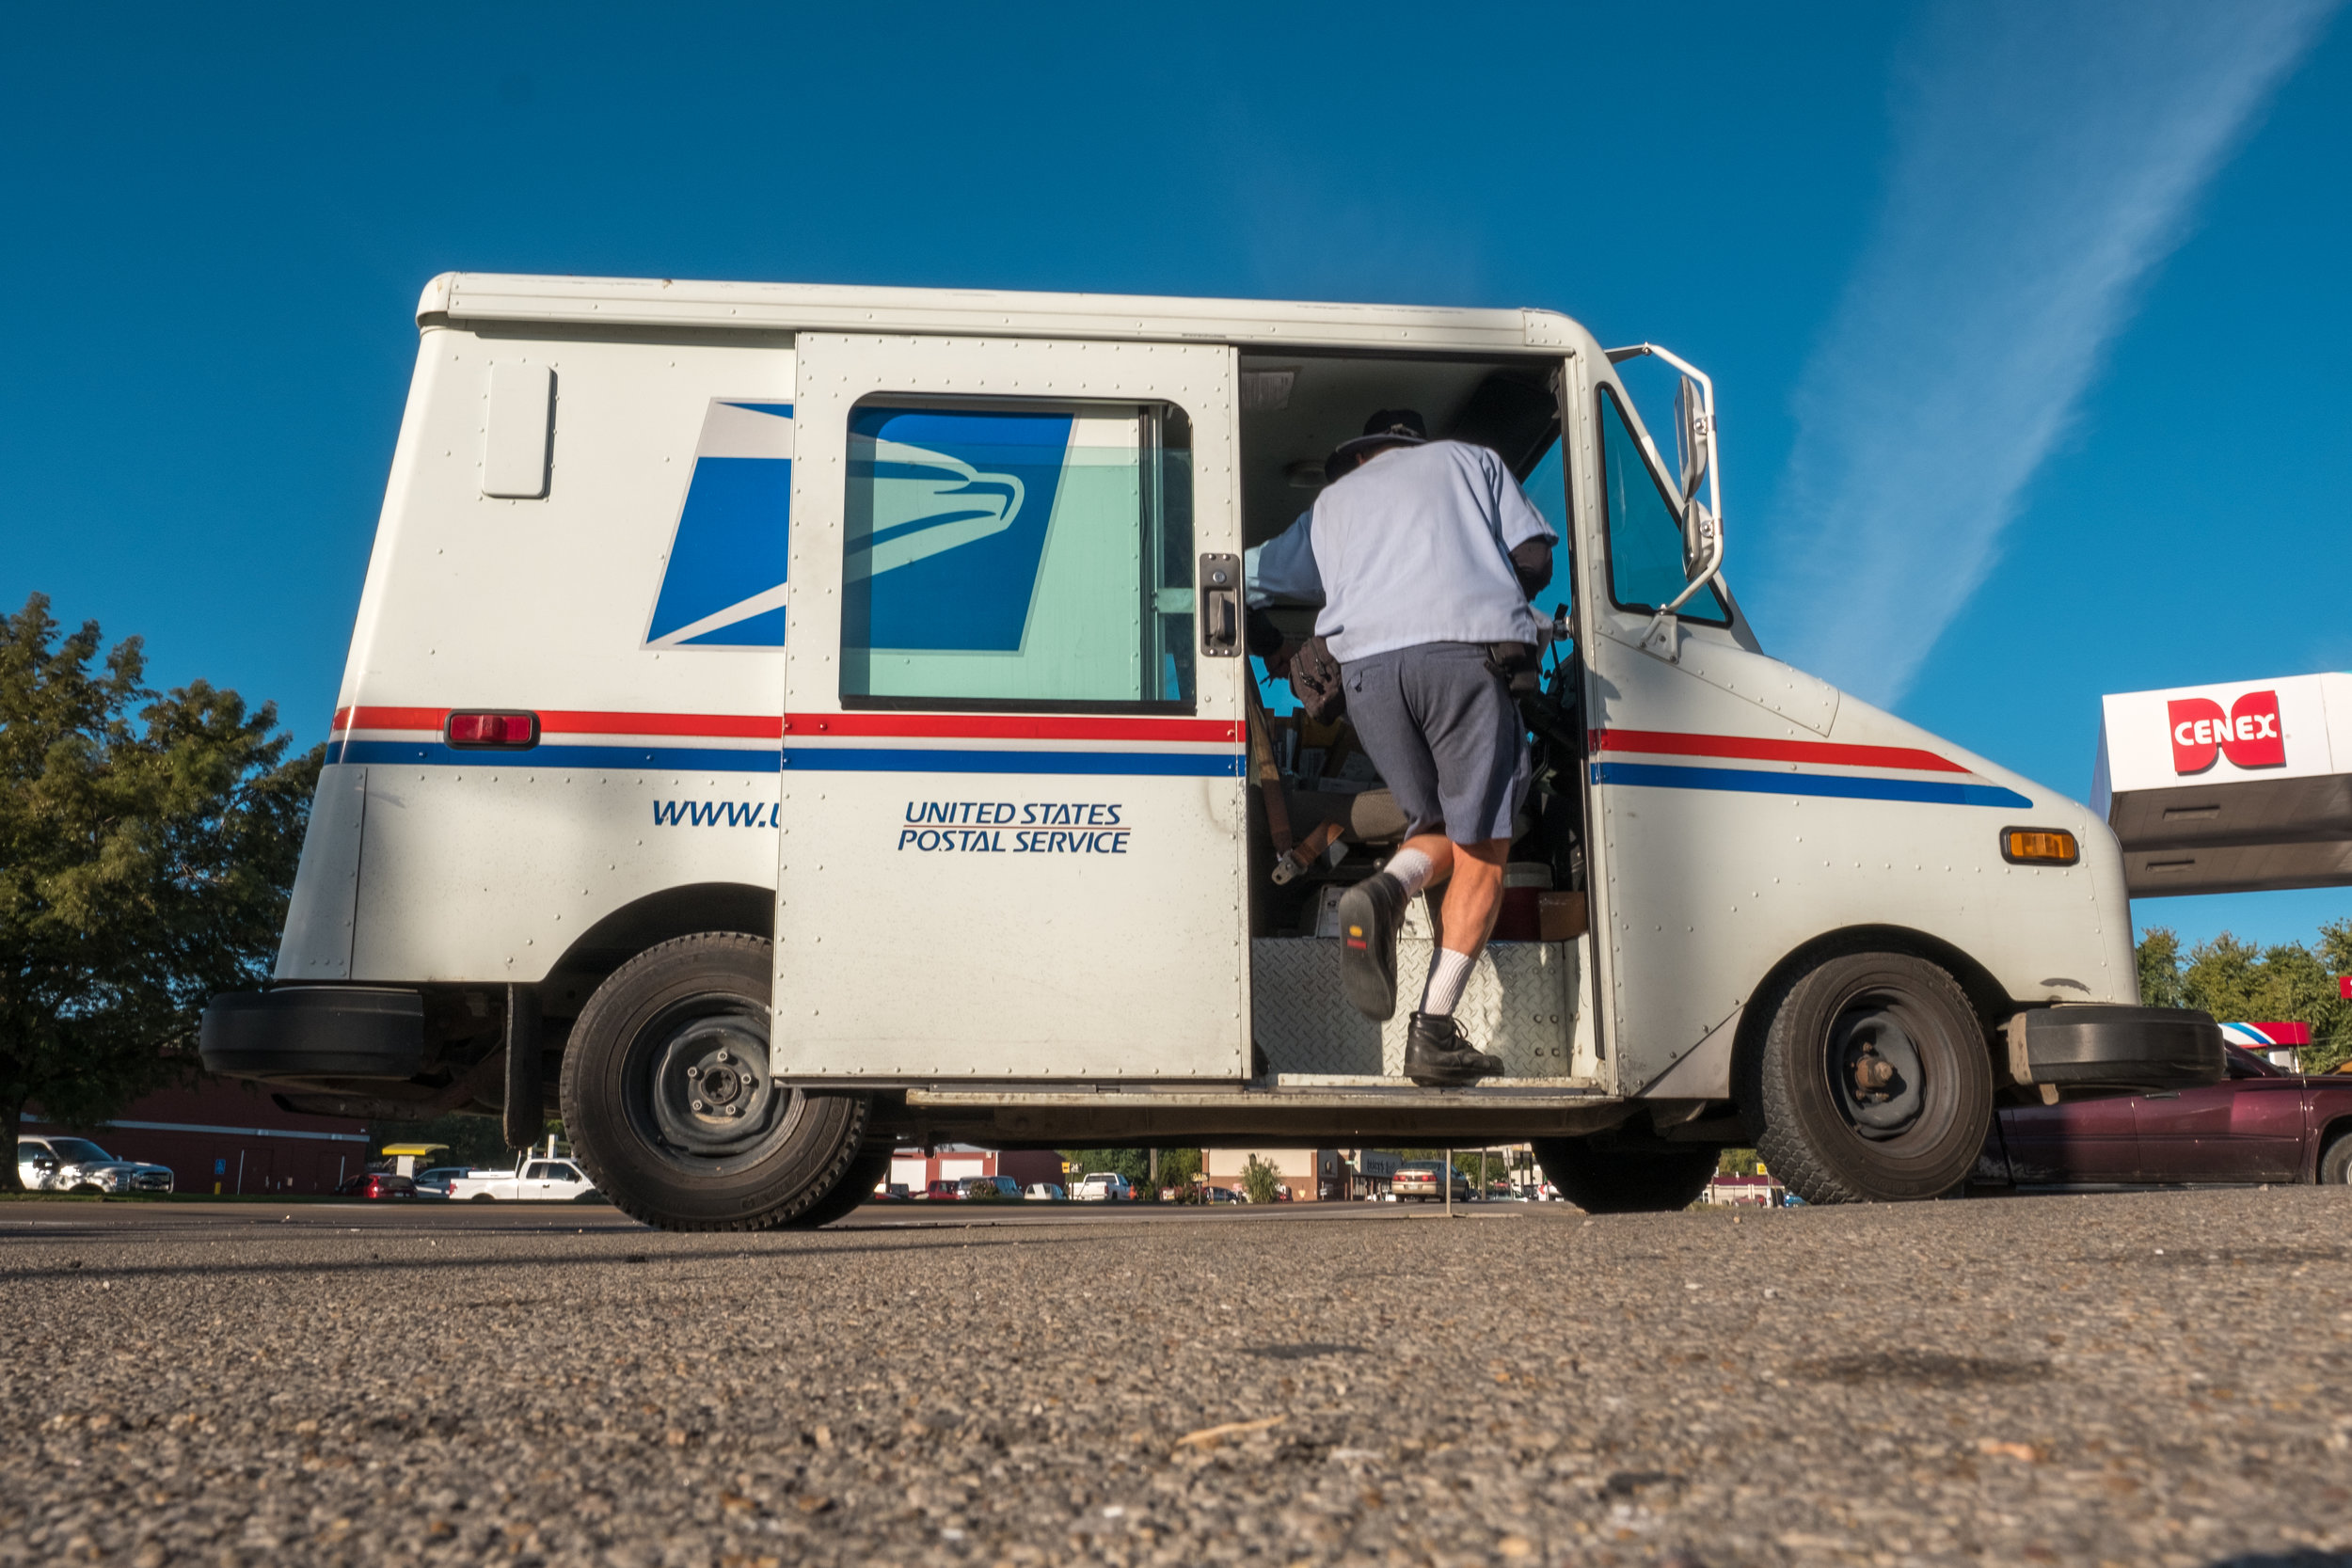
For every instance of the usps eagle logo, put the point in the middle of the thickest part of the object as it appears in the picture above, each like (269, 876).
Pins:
(924, 486)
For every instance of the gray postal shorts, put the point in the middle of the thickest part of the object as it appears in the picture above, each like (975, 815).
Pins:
(1445, 735)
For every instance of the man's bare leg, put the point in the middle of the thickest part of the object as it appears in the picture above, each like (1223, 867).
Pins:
(1473, 892)
(1436, 1053)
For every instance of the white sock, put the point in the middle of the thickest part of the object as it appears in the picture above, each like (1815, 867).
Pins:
(1447, 977)
(1411, 869)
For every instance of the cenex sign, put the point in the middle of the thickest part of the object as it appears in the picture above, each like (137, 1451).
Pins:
(2248, 734)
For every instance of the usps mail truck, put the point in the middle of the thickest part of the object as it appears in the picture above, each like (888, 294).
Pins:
(788, 722)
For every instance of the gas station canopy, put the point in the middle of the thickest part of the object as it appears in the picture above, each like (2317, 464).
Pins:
(2237, 788)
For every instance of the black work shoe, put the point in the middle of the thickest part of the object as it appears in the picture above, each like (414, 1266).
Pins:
(1370, 913)
(1438, 1057)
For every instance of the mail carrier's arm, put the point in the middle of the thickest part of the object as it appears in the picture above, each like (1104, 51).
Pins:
(1282, 570)
(1531, 559)
(1527, 538)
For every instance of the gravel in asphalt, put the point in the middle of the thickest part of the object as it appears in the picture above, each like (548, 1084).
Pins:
(2125, 1379)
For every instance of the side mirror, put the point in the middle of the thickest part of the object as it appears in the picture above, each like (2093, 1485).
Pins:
(1694, 436)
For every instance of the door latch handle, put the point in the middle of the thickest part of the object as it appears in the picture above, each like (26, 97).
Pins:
(1220, 606)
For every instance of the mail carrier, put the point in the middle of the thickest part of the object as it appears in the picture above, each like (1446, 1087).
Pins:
(784, 722)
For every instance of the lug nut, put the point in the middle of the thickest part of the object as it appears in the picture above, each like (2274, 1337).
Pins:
(724, 1057)
(695, 1104)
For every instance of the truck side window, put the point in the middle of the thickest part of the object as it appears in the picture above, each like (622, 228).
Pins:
(1645, 528)
(1013, 553)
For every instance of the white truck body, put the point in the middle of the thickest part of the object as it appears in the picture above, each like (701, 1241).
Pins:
(990, 799)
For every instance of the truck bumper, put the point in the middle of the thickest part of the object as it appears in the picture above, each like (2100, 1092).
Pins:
(2100, 1046)
(314, 1031)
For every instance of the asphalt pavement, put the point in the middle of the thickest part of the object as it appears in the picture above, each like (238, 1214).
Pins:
(2127, 1378)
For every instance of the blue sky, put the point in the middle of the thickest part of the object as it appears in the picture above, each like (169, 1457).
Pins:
(2022, 316)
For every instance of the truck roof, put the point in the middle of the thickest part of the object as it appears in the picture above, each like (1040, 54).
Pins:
(462, 296)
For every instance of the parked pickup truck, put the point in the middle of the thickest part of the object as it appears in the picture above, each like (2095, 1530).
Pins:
(536, 1178)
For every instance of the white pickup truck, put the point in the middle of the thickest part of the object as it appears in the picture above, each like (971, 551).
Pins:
(535, 1179)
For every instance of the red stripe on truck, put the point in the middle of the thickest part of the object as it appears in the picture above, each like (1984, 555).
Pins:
(1752, 749)
(1009, 726)
(740, 726)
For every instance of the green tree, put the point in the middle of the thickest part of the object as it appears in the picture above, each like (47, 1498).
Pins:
(142, 866)
(2237, 982)
(2160, 970)
(1259, 1179)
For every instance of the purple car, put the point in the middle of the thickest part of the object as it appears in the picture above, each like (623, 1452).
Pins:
(2260, 1124)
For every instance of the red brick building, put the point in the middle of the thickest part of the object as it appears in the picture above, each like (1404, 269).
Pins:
(224, 1137)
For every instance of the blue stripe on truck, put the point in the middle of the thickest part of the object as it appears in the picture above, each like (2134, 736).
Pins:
(1206, 764)
(1927, 792)
(885, 759)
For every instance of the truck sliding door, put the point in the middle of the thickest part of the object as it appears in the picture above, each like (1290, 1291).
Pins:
(1013, 818)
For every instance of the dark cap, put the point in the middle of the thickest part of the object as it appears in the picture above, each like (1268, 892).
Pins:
(1390, 427)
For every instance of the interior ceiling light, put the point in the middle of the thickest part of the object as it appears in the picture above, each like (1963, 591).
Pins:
(1266, 391)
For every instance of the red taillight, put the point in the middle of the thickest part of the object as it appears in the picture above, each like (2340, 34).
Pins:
(510, 732)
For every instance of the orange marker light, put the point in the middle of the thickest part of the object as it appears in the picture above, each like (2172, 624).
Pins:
(2039, 847)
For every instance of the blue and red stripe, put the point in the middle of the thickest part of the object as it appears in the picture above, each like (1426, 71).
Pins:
(1820, 753)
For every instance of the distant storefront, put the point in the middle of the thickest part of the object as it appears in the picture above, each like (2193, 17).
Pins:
(1760, 1191)
(915, 1170)
(1305, 1175)
(222, 1137)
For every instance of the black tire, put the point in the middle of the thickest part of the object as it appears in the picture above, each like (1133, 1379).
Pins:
(482, 1197)
(855, 1187)
(1601, 1179)
(673, 1039)
(1914, 1134)
(2335, 1162)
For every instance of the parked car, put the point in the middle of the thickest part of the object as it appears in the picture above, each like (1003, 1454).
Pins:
(1105, 1187)
(2262, 1123)
(379, 1184)
(435, 1182)
(59, 1164)
(990, 1189)
(1417, 1179)
(944, 1192)
(1044, 1192)
(893, 1192)
(1223, 1195)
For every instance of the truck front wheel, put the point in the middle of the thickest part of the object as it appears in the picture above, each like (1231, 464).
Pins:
(1875, 1081)
(668, 1101)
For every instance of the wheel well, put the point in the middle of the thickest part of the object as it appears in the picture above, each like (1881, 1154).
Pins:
(658, 917)
(1985, 996)
(2340, 1128)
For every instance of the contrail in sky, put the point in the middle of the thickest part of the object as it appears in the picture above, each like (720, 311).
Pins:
(2046, 155)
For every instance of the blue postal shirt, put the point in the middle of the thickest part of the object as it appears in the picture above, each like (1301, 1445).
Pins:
(1413, 547)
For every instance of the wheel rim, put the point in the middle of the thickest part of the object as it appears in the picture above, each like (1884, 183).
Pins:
(696, 1088)
(1874, 1068)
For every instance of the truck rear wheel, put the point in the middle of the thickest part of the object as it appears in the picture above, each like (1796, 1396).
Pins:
(667, 1098)
(1875, 1081)
(1601, 1179)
